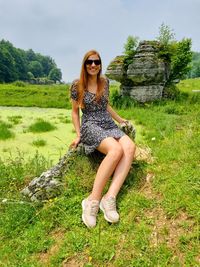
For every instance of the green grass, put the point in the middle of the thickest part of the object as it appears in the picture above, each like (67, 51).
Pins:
(159, 223)
(46, 96)
(15, 119)
(41, 126)
(57, 141)
(39, 142)
(5, 132)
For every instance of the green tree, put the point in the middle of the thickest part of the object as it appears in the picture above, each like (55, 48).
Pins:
(55, 75)
(177, 53)
(130, 49)
(130, 46)
(181, 58)
(7, 64)
(47, 64)
(166, 35)
(195, 66)
(35, 68)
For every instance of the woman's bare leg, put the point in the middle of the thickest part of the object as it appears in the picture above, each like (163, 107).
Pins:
(123, 166)
(113, 150)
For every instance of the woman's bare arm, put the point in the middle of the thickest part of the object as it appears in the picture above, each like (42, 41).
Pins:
(114, 114)
(76, 122)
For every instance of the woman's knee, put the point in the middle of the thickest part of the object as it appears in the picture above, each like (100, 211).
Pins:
(116, 151)
(129, 148)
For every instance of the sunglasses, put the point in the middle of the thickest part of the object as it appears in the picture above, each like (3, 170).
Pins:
(95, 61)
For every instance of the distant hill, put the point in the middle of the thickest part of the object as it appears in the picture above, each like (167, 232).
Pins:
(18, 64)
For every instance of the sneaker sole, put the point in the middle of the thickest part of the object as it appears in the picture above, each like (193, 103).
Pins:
(107, 219)
(83, 218)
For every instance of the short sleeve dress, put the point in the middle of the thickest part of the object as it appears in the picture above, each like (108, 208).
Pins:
(96, 122)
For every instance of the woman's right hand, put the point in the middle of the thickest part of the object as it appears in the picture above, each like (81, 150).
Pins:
(75, 143)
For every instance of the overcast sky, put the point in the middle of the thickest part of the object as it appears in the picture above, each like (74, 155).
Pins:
(67, 29)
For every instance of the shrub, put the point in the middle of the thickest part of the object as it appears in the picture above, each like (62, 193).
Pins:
(121, 102)
(5, 133)
(41, 126)
(39, 142)
(20, 84)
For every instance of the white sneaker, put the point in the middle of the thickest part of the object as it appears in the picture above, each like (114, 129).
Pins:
(90, 210)
(108, 206)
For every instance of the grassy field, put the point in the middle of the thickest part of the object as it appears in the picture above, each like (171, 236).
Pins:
(44, 96)
(159, 203)
(25, 140)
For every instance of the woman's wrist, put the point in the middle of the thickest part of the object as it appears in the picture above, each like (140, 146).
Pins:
(122, 120)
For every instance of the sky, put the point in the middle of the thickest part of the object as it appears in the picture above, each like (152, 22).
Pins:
(66, 29)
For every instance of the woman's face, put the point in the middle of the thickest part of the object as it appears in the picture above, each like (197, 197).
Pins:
(93, 65)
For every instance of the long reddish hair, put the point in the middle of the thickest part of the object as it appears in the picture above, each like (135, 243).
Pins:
(83, 81)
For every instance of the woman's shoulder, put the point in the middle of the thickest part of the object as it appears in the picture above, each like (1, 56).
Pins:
(105, 81)
(104, 78)
(74, 84)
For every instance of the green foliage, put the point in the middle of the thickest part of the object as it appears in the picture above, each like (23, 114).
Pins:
(158, 219)
(54, 96)
(177, 53)
(55, 74)
(17, 64)
(35, 68)
(121, 102)
(181, 59)
(39, 142)
(195, 66)
(19, 83)
(166, 35)
(41, 126)
(171, 91)
(130, 50)
(5, 132)
(130, 46)
(15, 119)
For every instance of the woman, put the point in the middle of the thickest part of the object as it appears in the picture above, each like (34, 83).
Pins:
(99, 131)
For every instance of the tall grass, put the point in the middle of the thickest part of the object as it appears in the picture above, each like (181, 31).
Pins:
(159, 219)
(41, 126)
(5, 132)
(46, 96)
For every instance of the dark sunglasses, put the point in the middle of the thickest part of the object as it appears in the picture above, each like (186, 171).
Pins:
(95, 61)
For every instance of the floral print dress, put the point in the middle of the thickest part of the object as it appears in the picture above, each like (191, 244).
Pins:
(96, 122)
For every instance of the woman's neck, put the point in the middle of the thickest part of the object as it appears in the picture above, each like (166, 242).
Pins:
(92, 80)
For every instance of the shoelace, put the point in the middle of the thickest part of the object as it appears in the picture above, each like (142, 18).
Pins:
(111, 204)
(94, 208)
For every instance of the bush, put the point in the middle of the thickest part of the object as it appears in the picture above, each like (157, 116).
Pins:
(5, 133)
(171, 92)
(121, 102)
(19, 84)
(39, 142)
(41, 126)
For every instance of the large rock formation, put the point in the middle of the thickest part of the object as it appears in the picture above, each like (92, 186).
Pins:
(144, 78)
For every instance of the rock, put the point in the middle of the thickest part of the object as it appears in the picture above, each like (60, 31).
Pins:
(115, 70)
(145, 77)
(50, 183)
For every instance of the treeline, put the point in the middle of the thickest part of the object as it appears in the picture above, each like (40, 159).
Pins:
(195, 66)
(18, 64)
